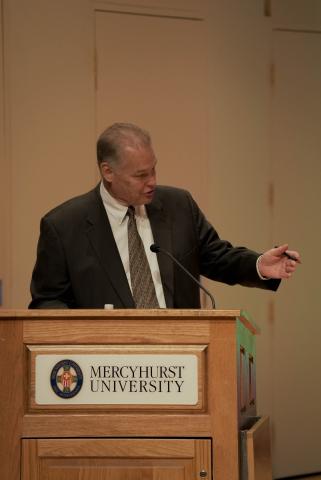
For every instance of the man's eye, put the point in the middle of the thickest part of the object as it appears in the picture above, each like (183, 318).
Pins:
(141, 175)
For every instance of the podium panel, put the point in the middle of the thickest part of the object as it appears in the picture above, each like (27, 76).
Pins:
(113, 459)
(129, 394)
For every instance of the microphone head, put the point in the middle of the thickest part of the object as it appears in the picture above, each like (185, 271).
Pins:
(155, 248)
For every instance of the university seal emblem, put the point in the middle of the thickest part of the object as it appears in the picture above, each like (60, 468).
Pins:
(66, 379)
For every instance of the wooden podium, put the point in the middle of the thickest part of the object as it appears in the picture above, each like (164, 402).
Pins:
(129, 395)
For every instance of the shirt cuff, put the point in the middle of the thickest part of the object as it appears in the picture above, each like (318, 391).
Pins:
(258, 269)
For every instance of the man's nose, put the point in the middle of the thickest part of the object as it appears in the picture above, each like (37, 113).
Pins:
(152, 180)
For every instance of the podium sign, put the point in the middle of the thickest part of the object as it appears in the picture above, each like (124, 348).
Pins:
(119, 379)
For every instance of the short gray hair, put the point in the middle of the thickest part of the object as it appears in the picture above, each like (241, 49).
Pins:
(118, 136)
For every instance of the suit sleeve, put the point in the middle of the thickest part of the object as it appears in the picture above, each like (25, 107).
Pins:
(221, 261)
(50, 283)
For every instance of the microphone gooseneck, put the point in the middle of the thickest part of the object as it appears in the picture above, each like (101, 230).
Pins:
(156, 249)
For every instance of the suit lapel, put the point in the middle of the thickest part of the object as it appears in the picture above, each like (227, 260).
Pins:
(161, 228)
(102, 240)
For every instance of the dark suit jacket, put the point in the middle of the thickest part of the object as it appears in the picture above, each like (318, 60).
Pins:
(78, 264)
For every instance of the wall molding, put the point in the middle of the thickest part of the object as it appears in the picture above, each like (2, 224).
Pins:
(189, 9)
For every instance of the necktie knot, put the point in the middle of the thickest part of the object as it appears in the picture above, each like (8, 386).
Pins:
(131, 212)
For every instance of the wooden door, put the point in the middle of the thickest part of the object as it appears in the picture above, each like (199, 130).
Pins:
(152, 70)
(116, 459)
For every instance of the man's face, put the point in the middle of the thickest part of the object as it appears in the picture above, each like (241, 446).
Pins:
(133, 180)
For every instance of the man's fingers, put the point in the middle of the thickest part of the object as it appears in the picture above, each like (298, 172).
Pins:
(293, 255)
(290, 254)
(281, 249)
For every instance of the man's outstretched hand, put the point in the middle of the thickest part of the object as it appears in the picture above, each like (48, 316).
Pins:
(279, 262)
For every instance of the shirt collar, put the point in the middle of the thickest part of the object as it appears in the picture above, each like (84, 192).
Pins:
(117, 209)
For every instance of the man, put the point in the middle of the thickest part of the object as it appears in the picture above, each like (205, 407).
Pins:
(94, 250)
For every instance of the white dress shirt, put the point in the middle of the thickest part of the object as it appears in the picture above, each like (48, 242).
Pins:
(118, 218)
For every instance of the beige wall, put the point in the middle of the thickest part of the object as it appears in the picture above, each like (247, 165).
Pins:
(3, 195)
(296, 172)
(50, 120)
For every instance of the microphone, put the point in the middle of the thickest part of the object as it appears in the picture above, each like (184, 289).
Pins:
(156, 249)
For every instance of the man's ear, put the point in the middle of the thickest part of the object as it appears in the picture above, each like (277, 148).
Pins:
(106, 172)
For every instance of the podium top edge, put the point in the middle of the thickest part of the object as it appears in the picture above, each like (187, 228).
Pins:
(128, 313)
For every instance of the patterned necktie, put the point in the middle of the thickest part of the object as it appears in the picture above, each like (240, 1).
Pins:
(143, 287)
